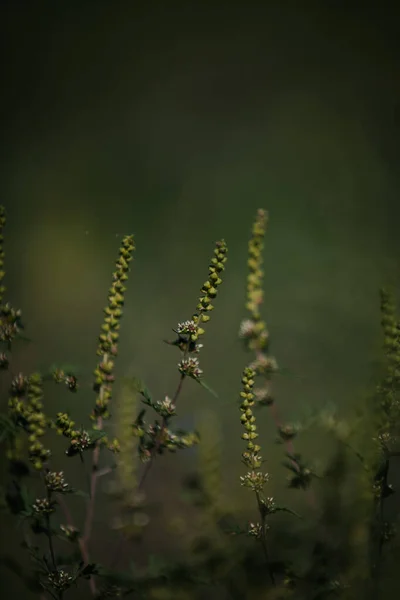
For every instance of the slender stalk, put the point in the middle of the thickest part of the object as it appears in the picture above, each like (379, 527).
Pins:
(81, 542)
(377, 535)
(264, 539)
(107, 349)
(51, 546)
(93, 486)
(254, 479)
(147, 469)
(87, 530)
(159, 437)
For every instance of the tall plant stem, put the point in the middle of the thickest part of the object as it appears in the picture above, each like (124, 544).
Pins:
(264, 540)
(151, 461)
(160, 436)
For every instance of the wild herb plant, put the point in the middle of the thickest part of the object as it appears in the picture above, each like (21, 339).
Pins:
(254, 333)
(336, 564)
(157, 437)
(385, 412)
(26, 417)
(375, 456)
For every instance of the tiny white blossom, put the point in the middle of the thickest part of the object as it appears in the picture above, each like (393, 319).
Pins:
(246, 328)
(188, 326)
(190, 366)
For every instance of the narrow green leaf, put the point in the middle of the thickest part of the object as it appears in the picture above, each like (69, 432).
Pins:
(207, 387)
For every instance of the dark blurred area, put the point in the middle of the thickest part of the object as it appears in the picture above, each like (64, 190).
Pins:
(176, 121)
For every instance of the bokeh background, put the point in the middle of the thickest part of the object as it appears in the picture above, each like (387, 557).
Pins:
(176, 121)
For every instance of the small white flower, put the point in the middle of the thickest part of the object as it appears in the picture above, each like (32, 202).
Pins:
(265, 364)
(42, 506)
(255, 530)
(254, 481)
(190, 366)
(60, 579)
(246, 328)
(166, 408)
(186, 327)
(55, 482)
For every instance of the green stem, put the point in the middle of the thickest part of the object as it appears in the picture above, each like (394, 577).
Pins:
(160, 436)
(50, 536)
(264, 539)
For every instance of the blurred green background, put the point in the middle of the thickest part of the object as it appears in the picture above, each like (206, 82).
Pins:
(176, 121)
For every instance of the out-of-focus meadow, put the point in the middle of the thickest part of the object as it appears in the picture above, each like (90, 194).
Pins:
(176, 124)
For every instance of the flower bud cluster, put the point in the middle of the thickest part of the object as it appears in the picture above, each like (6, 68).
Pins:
(191, 330)
(67, 379)
(60, 580)
(255, 277)
(108, 340)
(43, 506)
(155, 437)
(254, 479)
(210, 287)
(55, 482)
(253, 330)
(26, 408)
(10, 323)
(80, 439)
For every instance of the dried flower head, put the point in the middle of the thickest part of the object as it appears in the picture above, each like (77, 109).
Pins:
(254, 480)
(55, 482)
(43, 506)
(187, 327)
(10, 322)
(60, 580)
(257, 530)
(190, 367)
(80, 442)
(165, 408)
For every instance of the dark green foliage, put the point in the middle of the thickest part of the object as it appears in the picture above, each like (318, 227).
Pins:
(336, 550)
